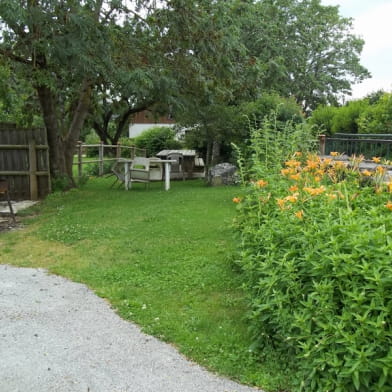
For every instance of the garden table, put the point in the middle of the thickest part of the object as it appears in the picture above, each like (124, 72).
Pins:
(166, 162)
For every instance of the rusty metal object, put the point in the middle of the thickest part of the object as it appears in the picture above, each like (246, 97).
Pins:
(4, 191)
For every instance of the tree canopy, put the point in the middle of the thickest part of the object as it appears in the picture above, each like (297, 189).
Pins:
(103, 60)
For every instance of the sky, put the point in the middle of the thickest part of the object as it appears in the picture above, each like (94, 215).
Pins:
(372, 22)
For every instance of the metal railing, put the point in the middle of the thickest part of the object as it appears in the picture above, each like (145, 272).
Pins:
(368, 145)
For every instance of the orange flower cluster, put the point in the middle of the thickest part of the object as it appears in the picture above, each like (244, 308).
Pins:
(315, 191)
(311, 174)
(236, 200)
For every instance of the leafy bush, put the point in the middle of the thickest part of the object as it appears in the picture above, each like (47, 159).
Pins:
(346, 117)
(377, 118)
(284, 109)
(92, 138)
(156, 139)
(316, 257)
(92, 169)
(322, 118)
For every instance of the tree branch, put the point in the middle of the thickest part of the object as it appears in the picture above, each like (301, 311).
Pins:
(12, 56)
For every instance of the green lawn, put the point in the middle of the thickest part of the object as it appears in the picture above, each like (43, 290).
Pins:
(163, 259)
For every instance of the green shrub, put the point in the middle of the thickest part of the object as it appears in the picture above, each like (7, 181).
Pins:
(377, 118)
(346, 117)
(126, 141)
(92, 138)
(316, 257)
(156, 139)
(92, 169)
(322, 118)
(284, 109)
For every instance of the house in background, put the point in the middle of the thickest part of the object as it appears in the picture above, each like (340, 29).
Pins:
(145, 120)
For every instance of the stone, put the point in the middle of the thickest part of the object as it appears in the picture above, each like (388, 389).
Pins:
(223, 174)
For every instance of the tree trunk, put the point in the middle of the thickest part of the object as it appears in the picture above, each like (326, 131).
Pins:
(62, 147)
(215, 154)
(47, 102)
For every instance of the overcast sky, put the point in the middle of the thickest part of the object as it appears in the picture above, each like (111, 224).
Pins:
(372, 22)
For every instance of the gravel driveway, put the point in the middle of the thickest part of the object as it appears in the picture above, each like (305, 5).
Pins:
(58, 336)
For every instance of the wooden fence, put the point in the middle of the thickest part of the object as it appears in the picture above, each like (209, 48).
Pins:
(104, 153)
(369, 145)
(24, 162)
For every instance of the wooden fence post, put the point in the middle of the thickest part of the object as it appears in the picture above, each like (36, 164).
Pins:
(80, 159)
(118, 151)
(100, 163)
(33, 170)
(322, 141)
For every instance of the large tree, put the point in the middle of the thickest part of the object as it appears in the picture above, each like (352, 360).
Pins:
(100, 57)
(61, 47)
(193, 57)
(307, 50)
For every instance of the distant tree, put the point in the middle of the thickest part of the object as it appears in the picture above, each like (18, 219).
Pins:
(218, 126)
(307, 50)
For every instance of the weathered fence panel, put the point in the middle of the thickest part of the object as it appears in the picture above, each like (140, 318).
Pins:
(24, 162)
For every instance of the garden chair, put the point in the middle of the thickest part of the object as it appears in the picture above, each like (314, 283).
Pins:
(118, 170)
(176, 166)
(140, 170)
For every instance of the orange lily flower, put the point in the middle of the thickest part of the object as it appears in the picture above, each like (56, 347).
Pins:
(299, 214)
(261, 183)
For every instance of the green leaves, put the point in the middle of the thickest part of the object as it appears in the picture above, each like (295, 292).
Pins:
(319, 283)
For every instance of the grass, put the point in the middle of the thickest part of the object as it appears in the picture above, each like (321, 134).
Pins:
(163, 259)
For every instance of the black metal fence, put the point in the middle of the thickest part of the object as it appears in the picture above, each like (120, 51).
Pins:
(369, 145)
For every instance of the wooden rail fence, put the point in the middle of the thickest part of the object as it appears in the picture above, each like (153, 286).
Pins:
(24, 162)
(106, 153)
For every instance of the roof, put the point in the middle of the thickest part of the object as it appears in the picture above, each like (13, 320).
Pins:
(185, 153)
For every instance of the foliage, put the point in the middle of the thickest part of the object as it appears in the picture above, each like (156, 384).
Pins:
(18, 104)
(284, 109)
(322, 118)
(162, 259)
(231, 124)
(346, 119)
(273, 139)
(316, 258)
(102, 61)
(92, 169)
(305, 49)
(156, 139)
(372, 114)
(377, 118)
(92, 138)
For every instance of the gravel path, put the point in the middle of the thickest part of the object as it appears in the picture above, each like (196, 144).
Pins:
(58, 336)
